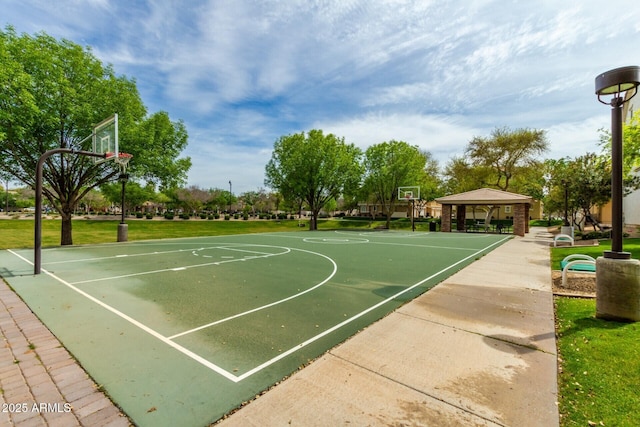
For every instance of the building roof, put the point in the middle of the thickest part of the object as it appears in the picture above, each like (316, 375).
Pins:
(484, 196)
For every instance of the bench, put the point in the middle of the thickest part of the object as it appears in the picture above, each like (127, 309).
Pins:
(477, 226)
(577, 263)
(560, 238)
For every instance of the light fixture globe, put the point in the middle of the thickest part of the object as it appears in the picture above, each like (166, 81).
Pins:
(618, 80)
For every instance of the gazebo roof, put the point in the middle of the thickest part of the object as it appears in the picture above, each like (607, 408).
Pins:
(484, 196)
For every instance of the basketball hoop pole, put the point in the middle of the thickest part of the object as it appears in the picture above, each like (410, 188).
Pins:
(37, 245)
(123, 160)
(413, 224)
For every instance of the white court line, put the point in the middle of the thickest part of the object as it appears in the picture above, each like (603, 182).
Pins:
(169, 340)
(143, 273)
(142, 326)
(217, 322)
(115, 256)
(385, 233)
(362, 313)
(423, 246)
(238, 378)
(226, 246)
(371, 234)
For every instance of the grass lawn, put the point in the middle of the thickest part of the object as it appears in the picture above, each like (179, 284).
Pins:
(599, 367)
(558, 254)
(19, 233)
(599, 360)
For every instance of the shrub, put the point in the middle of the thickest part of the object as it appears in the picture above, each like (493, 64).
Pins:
(149, 215)
(169, 215)
(139, 215)
(245, 217)
(596, 235)
(227, 217)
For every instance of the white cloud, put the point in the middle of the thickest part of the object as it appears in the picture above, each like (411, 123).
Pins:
(432, 73)
(574, 139)
(218, 163)
(443, 136)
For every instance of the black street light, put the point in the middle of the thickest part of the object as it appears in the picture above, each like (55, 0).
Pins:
(617, 82)
(566, 203)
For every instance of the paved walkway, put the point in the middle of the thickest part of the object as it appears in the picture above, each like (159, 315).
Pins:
(477, 350)
(40, 383)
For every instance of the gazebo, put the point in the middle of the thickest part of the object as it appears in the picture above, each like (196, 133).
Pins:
(485, 197)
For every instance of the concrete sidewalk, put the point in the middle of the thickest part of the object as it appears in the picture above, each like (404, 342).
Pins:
(477, 350)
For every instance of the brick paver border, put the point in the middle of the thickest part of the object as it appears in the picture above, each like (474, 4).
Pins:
(41, 384)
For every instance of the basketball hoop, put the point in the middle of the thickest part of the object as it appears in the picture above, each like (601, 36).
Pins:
(409, 193)
(121, 159)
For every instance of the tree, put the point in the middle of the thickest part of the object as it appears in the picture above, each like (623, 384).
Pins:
(313, 167)
(556, 198)
(390, 165)
(252, 200)
(220, 199)
(192, 199)
(156, 144)
(54, 92)
(94, 200)
(134, 194)
(631, 151)
(631, 141)
(585, 182)
(507, 153)
(461, 176)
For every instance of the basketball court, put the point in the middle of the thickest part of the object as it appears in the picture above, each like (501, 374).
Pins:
(182, 331)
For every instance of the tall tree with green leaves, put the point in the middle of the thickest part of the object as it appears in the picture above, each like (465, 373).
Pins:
(630, 152)
(460, 176)
(584, 181)
(315, 168)
(506, 154)
(389, 165)
(53, 94)
(135, 195)
(220, 200)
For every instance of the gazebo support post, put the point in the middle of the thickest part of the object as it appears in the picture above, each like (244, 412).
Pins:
(445, 217)
(461, 217)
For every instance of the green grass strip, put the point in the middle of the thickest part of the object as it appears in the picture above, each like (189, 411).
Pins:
(19, 233)
(599, 367)
(558, 254)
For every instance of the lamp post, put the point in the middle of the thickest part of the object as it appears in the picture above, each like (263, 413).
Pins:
(566, 203)
(617, 275)
(617, 82)
(230, 195)
(123, 229)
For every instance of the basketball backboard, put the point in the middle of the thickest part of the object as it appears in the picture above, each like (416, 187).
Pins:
(409, 193)
(105, 138)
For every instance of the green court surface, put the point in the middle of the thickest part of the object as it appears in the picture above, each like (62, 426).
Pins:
(182, 331)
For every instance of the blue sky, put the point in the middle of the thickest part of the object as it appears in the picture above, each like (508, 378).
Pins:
(242, 73)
